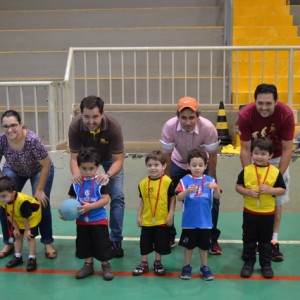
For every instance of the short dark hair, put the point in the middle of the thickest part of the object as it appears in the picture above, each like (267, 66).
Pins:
(264, 144)
(88, 154)
(197, 152)
(91, 102)
(156, 155)
(7, 184)
(11, 113)
(179, 112)
(265, 88)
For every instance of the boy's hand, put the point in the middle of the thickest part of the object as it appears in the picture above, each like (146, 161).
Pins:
(265, 189)
(212, 185)
(192, 188)
(253, 193)
(84, 208)
(139, 221)
(27, 234)
(170, 219)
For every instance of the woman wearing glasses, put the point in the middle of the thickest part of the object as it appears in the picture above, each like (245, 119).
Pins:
(26, 158)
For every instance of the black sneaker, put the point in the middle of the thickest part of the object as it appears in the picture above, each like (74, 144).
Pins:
(14, 262)
(246, 271)
(140, 269)
(267, 272)
(31, 264)
(276, 254)
(117, 250)
(159, 268)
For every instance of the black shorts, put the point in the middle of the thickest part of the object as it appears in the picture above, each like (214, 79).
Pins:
(34, 231)
(93, 241)
(192, 238)
(155, 238)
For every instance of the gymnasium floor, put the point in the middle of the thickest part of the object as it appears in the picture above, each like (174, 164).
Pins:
(55, 279)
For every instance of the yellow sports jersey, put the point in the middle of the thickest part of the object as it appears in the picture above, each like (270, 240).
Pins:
(14, 210)
(155, 197)
(253, 176)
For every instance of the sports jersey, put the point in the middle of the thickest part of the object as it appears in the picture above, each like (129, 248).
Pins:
(24, 207)
(90, 191)
(155, 194)
(197, 205)
(277, 127)
(251, 177)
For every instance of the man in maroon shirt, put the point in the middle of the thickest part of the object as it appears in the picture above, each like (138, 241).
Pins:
(267, 117)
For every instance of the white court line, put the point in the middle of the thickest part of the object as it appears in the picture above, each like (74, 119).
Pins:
(136, 239)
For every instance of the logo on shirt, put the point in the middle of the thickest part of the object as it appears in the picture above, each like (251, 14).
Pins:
(271, 133)
(103, 141)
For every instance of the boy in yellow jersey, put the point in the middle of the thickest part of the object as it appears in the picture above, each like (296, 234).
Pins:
(259, 183)
(24, 214)
(155, 213)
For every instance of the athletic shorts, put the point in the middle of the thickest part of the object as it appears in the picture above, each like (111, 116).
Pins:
(155, 238)
(93, 241)
(192, 238)
(34, 231)
(286, 177)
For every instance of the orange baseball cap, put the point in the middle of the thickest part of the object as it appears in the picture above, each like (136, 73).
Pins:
(187, 102)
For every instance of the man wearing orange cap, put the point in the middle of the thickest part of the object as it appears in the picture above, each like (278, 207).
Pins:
(180, 134)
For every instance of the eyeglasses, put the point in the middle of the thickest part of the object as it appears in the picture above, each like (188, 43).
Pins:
(12, 126)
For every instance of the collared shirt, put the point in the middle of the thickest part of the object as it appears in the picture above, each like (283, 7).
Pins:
(108, 140)
(174, 139)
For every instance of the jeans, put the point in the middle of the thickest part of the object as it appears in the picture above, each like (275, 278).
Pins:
(176, 174)
(117, 203)
(45, 226)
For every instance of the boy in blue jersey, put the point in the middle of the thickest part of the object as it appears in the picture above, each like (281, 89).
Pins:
(155, 213)
(92, 239)
(196, 191)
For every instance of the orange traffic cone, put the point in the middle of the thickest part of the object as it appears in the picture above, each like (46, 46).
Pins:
(222, 126)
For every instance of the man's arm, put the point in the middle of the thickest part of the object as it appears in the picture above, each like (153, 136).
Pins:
(212, 164)
(286, 156)
(117, 165)
(168, 167)
(76, 176)
(245, 154)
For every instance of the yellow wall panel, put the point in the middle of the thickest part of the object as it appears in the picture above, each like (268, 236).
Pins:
(258, 2)
(263, 31)
(264, 20)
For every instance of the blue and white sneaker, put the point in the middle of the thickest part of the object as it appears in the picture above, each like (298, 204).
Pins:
(186, 272)
(206, 273)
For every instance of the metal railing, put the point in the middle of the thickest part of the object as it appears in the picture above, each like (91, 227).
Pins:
(151, 77)
(161, 75)
(43, 107)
